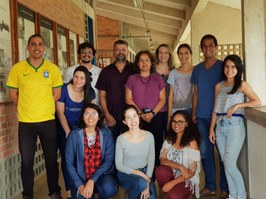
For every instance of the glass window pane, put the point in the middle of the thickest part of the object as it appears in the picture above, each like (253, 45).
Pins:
(5, 47)
(73, 48)
(25, 30)
(62, 49)
(47, 34)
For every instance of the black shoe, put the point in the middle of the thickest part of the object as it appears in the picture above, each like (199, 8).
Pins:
(56, 195)
(27, 197)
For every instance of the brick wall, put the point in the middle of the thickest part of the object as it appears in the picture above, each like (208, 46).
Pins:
(108, 32)
(8, 130)
(64, 12)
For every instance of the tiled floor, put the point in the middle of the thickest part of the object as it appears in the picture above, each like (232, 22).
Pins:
(41, 191)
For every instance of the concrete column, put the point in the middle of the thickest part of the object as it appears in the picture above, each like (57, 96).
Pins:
(255, 61)
(254, 45)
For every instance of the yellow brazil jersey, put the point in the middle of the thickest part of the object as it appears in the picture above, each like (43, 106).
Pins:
(35, 90)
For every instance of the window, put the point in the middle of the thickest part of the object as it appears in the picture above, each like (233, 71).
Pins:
(73, 48)
(26, 28)
(62, 48)
(46, 31)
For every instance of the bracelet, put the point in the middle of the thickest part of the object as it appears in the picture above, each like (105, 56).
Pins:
(153, 113)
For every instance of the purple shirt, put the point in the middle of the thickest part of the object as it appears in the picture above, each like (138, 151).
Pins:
(145, 90)
(112, 82)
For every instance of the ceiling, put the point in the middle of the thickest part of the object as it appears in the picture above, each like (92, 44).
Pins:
(148, 23)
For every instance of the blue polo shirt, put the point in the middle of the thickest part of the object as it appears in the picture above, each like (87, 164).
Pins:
(206, 79)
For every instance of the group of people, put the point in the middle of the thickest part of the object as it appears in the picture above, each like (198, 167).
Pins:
(132, 123)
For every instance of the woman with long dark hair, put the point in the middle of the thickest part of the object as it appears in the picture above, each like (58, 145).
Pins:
(178, 173)
(228, 117)
(90, 156)
(68, 108)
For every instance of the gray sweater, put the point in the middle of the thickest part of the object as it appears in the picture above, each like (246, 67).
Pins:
(130, 156)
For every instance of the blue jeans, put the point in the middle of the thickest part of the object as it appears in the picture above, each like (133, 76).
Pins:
(135, 184)
(105, 186)
(207, 157)
(230, 135)
(27, 138)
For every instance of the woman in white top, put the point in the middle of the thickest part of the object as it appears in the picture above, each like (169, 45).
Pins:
(178, 174)
(135, 157)
(228, 117)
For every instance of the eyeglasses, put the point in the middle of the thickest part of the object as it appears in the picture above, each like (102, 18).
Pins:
(179, 122)
(88, 114)
(86, 52)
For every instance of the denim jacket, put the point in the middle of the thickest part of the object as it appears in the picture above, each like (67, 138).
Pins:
(75, 156)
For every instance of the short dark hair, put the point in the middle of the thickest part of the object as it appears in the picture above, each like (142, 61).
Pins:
(145, 52)
(120, 42)
(99, 124)
(184, 46)
(208, 36)
(33, 36)
(85, 45)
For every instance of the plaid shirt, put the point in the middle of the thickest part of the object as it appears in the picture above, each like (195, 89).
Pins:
(92, 155)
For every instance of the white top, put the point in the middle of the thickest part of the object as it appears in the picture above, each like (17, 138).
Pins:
(95, 71)
(189, 158)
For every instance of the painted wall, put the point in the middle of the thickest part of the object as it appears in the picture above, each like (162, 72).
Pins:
(221, 21)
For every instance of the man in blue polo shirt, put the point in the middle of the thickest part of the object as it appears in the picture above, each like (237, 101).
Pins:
(204, 78)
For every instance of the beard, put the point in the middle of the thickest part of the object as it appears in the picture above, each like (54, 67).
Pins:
(86, 61)
(120, 58)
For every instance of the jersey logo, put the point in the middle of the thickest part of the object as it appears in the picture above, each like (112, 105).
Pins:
(46, 74)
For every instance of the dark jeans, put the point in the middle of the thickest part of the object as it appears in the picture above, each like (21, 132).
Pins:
(62, 147)
(135, 185)
(105, 186)
(27, 134)
(156, 128)
(207, 157)
(116, 129)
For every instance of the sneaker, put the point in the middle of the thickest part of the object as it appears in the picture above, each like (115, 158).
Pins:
(206, 192)
(56, 195)
(224, 195)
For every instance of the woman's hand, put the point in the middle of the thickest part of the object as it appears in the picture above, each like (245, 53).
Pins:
(212, 136)
(168, 186)
(147, 117)
(141, 174)
(231, 110)
(146, 193)
(88, 189)
(185, 172)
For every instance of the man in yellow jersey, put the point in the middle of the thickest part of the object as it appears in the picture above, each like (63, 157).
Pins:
(34, 86)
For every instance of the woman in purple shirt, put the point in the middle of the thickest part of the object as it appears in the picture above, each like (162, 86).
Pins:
(146, 91)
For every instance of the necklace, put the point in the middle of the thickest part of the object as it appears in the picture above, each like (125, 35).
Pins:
(143, 82)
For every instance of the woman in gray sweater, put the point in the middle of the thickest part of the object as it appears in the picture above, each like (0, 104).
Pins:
(135, 157)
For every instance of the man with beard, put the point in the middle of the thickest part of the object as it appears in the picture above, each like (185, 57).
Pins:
(111, 84)
(86, 53)
(34, 87)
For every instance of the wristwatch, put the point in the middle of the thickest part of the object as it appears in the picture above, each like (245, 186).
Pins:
(153, 113)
